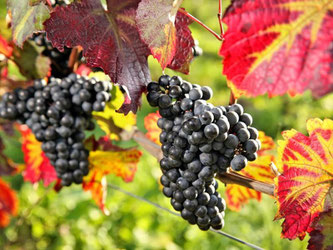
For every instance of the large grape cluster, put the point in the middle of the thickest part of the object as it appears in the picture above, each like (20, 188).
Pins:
(198, 141)
(58, 113)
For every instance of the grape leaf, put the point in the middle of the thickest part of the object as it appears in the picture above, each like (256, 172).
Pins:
(153, 131)
(26, 19)
(31, 62)
(7, 167)
(109, 159)
(5, 48)
(321, 237)
(38, 166)
(237, 196)
(307, 175)
(278, 46)
(8, 203)
(184, 45)
(110, 40)
(156, 23)
(115, 125)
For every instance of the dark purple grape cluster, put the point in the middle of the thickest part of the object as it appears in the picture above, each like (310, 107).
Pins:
(199, 140)
(59, 60)
(58, 113)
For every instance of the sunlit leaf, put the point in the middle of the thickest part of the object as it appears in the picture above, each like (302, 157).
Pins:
(38, 166)
(278, 47)
(26, 19)
(109, 159)
(306, 164)
(236, 195)
(153, 131)
(8, 203)
(115, 125)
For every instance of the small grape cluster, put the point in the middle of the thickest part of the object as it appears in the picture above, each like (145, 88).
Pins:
(58, 113)
(198, 141)
(59, 60)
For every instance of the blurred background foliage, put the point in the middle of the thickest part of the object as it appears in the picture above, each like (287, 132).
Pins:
(71, 220)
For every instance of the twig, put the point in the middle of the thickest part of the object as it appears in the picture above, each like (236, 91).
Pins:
(227, 178)
(232, 99)
(177, 214)
(219, 16)
(201, 23)
(73, 58)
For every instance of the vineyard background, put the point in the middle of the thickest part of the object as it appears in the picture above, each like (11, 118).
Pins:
(71, 220)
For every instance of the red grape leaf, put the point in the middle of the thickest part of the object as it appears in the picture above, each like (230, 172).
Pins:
(26, 19)
(307, 175)
(38, 166)
(5, 48)
(237, 196)
(110, 40)
(156, 23)
(108, 159)
(322, 237)
(278, 46)
(153, 131)
(8, 203)
(184, 45)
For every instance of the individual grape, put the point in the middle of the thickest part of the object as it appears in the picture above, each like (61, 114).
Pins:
(207, 92)
(195, 94)
(238, 162)
(211, 131)
(164, 101)
(233, 117)
(243, 135)
(237, 108)
(254, 134)
(251, 146)
(232, 141)
(246, 118)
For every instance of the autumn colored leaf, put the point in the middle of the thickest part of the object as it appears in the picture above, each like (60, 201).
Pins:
(321, 237)
(307, 176)
(5, 48)
(8, 203)
(166, 32)
(153, 131)
(237, 196)
(31, 62)
(26, 19)
(38, 166)
(116, 125)
(278, 47)
(109, 159)
(110, 40)
(184, 45)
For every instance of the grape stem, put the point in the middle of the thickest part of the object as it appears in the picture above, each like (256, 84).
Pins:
(73, 58)
(227, 178)
(219, 37)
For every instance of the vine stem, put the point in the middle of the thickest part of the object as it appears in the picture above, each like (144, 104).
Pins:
(219, 16)
(227, 178)
(201, 23)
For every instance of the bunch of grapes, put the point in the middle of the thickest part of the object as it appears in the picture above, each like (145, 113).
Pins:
(58, 113)
(59, 60)
(199, 140)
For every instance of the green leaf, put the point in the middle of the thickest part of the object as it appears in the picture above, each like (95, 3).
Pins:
(26, 19)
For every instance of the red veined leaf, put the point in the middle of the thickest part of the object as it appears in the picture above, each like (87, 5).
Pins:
(237, 196)
(321, 237)
(38, 166)
(156, 23)
(5, 48)
(108, 159)
(307, 175)
(26, 19)
(8, 203)
(184, 45)
(153, 131)
(110, 40)
(278, 46)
